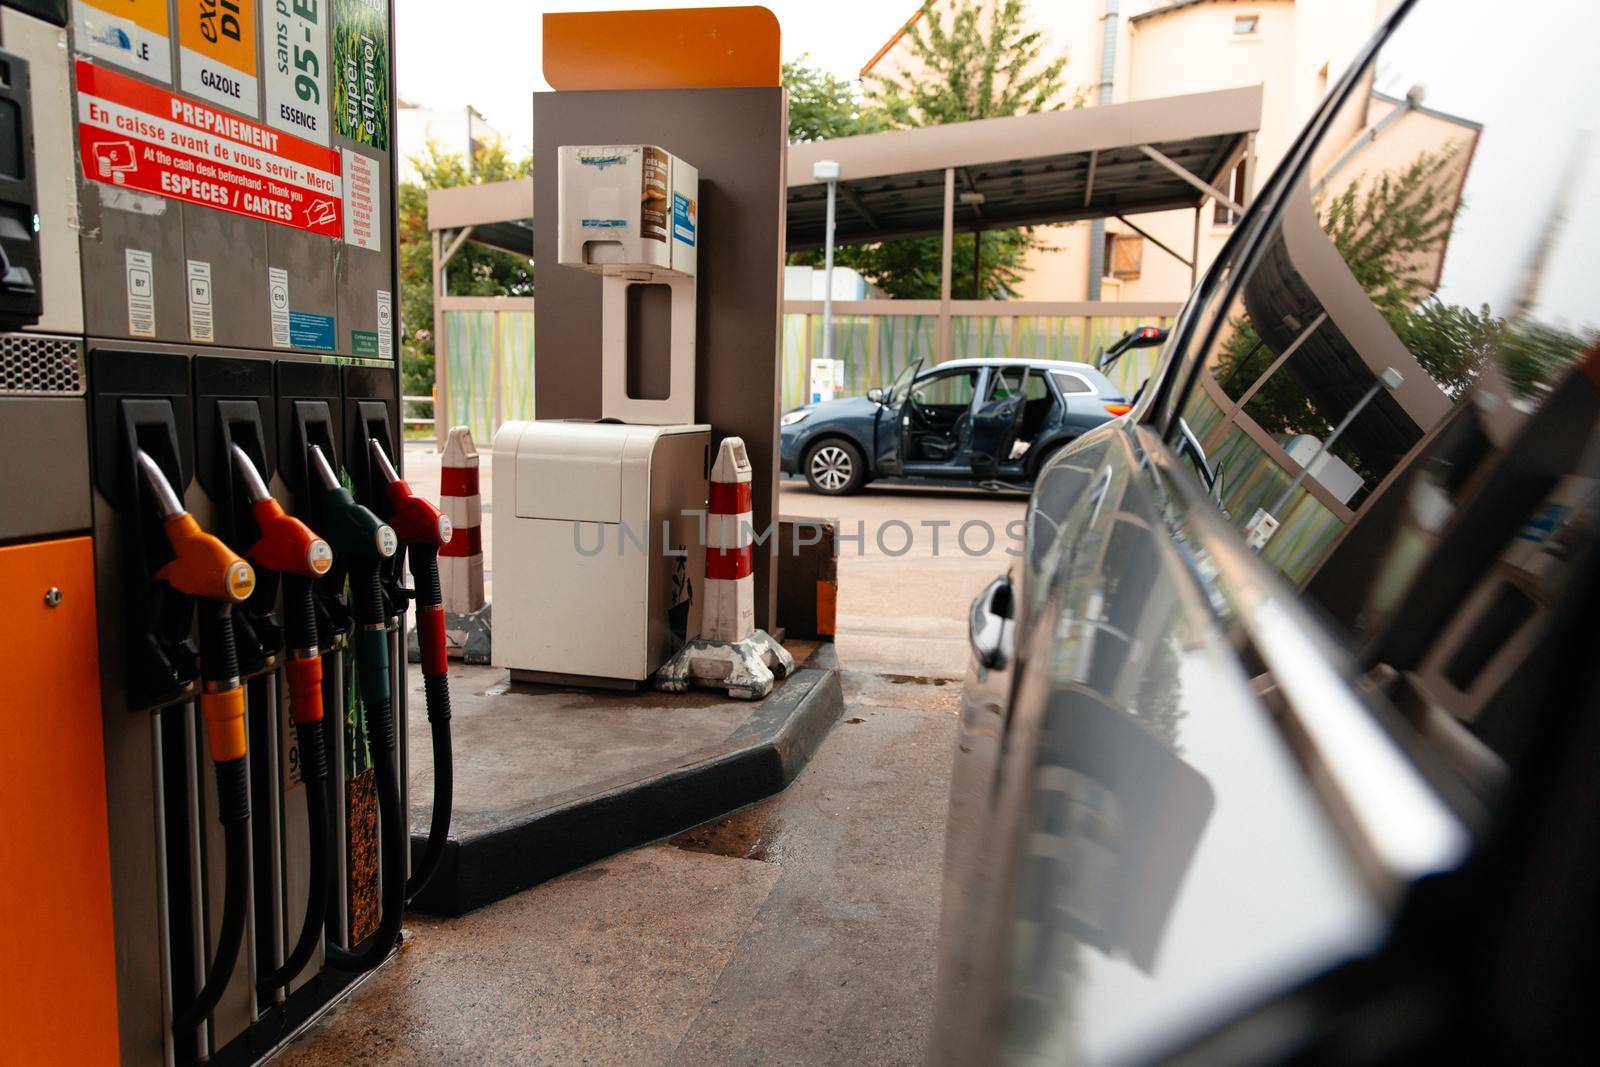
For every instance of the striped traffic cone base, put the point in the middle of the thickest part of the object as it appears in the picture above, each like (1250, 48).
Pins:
(730, 653)
(747, 669)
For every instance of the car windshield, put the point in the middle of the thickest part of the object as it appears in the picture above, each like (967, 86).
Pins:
(897, 389)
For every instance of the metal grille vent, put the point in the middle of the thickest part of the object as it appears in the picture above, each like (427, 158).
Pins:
(36, 364)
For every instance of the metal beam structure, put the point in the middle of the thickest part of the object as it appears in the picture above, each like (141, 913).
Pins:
(1158, 242)
(1205, 187)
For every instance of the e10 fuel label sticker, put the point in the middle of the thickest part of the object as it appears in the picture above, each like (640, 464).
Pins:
(297, 66)
(217, 52)
(361, 70)
(129, 33)
(134, 134)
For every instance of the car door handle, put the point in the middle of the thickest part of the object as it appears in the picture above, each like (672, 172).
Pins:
(990, 625)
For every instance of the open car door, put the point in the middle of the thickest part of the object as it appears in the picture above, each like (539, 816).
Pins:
(995, 420)
(890, 420)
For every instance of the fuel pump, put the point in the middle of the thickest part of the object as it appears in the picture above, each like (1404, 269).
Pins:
(423, 529)
(363, 543)
(288, 547)
(206, 569)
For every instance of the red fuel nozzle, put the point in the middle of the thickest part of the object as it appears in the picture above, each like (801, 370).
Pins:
(416, 521)
(286, 545)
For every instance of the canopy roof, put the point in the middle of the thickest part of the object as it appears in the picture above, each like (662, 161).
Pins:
(1054, 166)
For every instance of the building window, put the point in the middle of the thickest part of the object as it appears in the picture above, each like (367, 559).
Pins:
(1220, 215)
(1244, 25)
(1124, 256)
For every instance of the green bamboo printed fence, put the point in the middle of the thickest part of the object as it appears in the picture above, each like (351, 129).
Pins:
(489, 353)
(1252, 479)
(876, 348)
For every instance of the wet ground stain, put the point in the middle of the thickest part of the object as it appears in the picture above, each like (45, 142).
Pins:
(747, 834)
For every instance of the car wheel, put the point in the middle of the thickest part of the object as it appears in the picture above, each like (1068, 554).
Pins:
(834, 467)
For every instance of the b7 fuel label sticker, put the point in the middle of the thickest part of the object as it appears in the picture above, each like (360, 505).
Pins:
(385, 325)
(278, 305)
(136, 135)
(129, 33)
(360, 31)
(141, 292)
(202, 323)
(363, 205)
(217, 52)
(297, 66)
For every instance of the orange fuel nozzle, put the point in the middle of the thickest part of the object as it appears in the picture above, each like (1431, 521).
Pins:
(416, 521)
(286, 545)
(202, 565)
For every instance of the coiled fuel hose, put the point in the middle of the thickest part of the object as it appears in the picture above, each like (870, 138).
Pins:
(205, 568)
(364, 541)
(288, 546)
(424, 529)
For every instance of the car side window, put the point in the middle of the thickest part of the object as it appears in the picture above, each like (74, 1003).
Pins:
(1005, 382)
(1412, 249)
(1071, 383)
(943, 390)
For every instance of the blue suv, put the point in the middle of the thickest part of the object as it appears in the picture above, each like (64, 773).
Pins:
(981, 421)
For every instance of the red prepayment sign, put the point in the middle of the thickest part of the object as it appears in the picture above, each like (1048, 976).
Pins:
(141, 137)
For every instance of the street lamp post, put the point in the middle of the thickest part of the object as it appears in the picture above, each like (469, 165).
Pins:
(1265, 521)
(826, 170)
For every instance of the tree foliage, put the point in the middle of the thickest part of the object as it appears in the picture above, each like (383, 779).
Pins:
(966, 60)
(474, 270)
(982, 62)
(822, 105)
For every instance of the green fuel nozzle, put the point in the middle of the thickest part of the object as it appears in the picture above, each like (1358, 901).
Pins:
(355, 533)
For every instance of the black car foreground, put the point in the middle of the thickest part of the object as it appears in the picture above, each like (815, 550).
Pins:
(1278, 741)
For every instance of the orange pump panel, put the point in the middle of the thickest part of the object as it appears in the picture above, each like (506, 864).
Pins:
(676, 48)
(58, 989)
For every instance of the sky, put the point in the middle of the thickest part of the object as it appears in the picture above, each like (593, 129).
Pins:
(487, 52)
(1534, 92)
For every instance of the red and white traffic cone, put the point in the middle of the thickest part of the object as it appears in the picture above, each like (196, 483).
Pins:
(730, 652)
(466, 612)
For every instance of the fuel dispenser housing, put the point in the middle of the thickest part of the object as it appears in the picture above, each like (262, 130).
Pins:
(180, 303)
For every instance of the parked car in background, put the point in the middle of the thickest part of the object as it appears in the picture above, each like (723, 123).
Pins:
(985, 421)
(1278, 740)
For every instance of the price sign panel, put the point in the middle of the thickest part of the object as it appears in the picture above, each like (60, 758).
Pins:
(296, 33)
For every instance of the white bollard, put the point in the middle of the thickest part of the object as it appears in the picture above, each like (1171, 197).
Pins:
(730, 652)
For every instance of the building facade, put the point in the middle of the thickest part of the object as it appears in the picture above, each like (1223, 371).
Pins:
(1161, 48)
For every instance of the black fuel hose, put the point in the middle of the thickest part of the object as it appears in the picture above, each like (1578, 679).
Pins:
(436, 687)
(299, 608)
(372, 672)
(220, 675)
